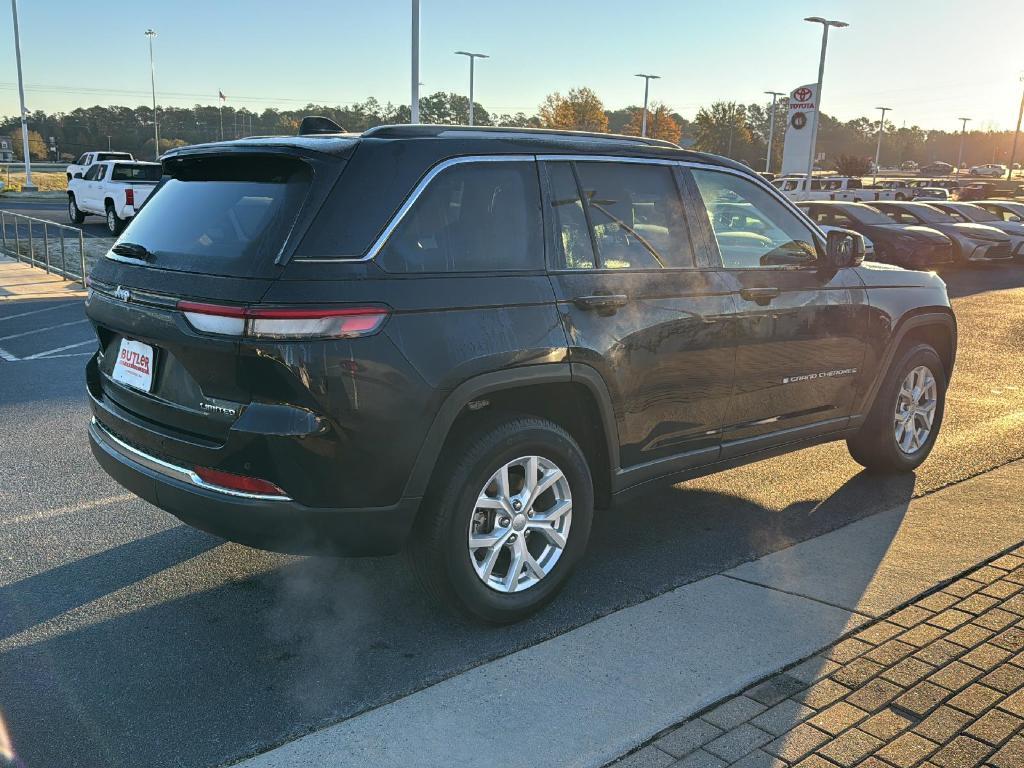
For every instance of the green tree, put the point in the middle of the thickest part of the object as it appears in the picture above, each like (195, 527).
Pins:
(36, 145)
(721, 128)
(852, 165)
(580, 110)
(661, 123)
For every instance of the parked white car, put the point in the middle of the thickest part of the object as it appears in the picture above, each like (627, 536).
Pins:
(930, 194)
(83, 163)
(112, 189)
(843, 188)
(990, 169)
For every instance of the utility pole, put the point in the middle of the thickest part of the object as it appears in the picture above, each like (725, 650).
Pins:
(152, 82)
(27, 186)
(472, 58)
(414, 101)
(647, 89)
(771, 130)
(825, 24)
(1016, 135)
(878, 149)
(960, 156)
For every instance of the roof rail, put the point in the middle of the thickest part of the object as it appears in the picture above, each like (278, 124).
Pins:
(419, 130)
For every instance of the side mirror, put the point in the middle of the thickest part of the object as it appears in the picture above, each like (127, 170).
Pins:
(1012, 217)
(78, 175)
(843, 248)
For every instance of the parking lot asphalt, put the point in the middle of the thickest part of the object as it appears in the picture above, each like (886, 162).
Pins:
(128, 639)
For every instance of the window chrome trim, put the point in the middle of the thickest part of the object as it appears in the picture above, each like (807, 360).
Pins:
(410, 201)
(167, 469)
(444, 165)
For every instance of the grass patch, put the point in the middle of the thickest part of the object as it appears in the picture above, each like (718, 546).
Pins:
(53, 181)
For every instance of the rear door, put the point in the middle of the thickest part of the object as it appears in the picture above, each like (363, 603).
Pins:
(802, 327)
(642, 307)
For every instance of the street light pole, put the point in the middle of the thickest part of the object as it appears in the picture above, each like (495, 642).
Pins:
(771, 130)
(27, 186)
(414, 101)
(472, 57)
(960, 156)
(878, 149)
(152, 83)
(825, 24)
(647, 89)
(1016, 135)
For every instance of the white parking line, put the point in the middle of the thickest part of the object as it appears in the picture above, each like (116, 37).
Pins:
(7, 356)
(40, 330)
(38, 355)
(37, 311)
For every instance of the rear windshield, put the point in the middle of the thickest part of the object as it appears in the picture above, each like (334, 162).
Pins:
(113, 156)
(126, 172)
(217, 215)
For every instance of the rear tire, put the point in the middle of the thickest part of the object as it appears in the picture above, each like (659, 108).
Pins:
(75, 215)
(463, 509)
(901, 428)
(115, 224)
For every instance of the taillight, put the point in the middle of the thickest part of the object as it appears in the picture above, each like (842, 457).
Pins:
(129, 196)
(284, 322)
(240, 483)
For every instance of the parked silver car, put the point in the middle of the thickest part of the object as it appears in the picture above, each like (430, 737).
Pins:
(971, 242)
(976, 214)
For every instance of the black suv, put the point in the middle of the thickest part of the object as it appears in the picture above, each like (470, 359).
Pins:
(458, 342)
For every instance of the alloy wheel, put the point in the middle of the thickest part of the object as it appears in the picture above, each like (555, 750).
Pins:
(915, 409)
(520, 524)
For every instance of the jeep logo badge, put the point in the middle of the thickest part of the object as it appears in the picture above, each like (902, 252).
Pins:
(123, 294)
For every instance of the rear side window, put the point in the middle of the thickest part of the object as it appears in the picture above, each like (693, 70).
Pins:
(113, 156)
(472, 217)
(125, 172)
(221, 215)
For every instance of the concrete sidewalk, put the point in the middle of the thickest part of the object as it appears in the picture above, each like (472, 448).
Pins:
(19, 281)
(588, 696)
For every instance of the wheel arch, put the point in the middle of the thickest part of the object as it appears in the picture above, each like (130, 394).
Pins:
(935, 326)
(572, 396)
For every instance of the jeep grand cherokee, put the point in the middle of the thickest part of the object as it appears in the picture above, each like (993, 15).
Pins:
(458, 342)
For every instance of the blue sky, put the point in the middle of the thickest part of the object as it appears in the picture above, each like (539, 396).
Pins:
(930, 60)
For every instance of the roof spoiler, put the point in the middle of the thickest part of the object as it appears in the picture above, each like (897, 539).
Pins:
(314, 124)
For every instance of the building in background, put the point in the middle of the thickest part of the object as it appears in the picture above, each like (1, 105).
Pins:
(6, 152)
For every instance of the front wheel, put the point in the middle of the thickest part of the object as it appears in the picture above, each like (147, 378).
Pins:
(75, 216)
(506, 521)
(904, 421)
(115, 224)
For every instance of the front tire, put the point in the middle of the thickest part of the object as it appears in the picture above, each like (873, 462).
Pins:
(115, 224)
(904, 422)
(506, 520)
(75, 215)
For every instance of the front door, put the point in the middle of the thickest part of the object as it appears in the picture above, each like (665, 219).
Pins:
(802, 327)
(641, 307)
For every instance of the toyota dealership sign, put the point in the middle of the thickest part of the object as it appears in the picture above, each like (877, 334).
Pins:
(800, 125)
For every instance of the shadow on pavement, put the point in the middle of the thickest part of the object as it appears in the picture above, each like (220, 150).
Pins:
(210, 677)
(981, 278)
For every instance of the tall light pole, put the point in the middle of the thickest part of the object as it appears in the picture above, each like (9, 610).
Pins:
(825, 24)
(878, 149)
(771, 130)
(27, 186)
(414, 100)
(472, 57)
(960, 156)
(647, 90)
(1016, 135)
(152, 84)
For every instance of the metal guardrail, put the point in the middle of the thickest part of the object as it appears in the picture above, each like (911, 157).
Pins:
(22, 232)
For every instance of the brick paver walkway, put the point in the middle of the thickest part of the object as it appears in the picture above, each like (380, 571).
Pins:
(937, 684)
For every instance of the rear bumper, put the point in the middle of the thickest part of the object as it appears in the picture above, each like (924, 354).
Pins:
(280, 525)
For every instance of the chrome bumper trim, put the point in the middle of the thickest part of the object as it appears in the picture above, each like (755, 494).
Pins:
(167, 469)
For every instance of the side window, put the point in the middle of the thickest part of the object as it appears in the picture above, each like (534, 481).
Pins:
(573, 248)
(81, 160)
(472, 217)
(840, 219)
(753, 228)
(90, 175)
(101, 172)
(636, 215)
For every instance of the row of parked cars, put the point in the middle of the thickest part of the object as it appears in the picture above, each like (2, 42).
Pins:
(924, 235)
(854, 190)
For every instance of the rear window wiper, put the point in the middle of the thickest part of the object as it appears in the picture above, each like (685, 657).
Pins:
(133, 251)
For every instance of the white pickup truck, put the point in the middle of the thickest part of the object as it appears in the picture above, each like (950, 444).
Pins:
(845, 188)
(83, 163)
(114, 189)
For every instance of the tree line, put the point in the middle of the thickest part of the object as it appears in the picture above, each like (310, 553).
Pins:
(736, 130)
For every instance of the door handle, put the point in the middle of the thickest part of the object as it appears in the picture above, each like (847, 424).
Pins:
(761, 296)
(604, 303)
